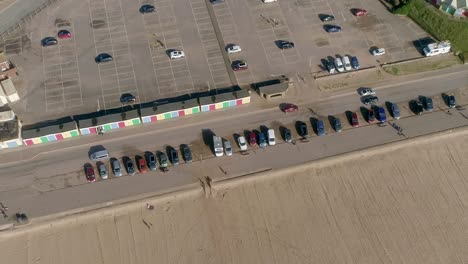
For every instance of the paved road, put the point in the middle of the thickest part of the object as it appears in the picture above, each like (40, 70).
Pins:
(17, 11)
(53, 181)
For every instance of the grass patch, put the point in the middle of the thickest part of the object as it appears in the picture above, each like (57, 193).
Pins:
(422, 65)
(436, 23)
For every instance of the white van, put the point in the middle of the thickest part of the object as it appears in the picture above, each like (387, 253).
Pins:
(99, 155)
(271, 137)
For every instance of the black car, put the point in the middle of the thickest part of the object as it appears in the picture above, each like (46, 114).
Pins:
(103, 57)
(151, 161)
(451, 101)
(326, 18)
(173, 156)
(287, 135)
(330, 66)
(129, 166)
(49, 41)
(216, 1)
(127, 98)
(284, 44)
(186, 153)
(332, 28)
(417, 107)
(371, 99)
(147, 9)
(302, 130)
(337, 124)
(428, 104)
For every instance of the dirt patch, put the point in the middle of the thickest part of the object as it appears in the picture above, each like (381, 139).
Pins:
(98, 24)
(350, 80)
(422, 65)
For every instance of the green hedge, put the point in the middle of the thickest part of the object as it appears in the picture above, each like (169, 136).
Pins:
(436, 23)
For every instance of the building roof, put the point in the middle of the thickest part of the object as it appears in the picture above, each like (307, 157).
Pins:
(156, 109)
(105, 117)
(48, 127)
(6, 114)
(8, 87)
(9, 130)
(274, 88)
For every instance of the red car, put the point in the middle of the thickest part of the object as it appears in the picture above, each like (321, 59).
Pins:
(290, 108)
(252, 139)
(142, 165)
(239, 65)
(354, 120)
(371, 116)
(64, 34)
(360, 12)
(89, 171)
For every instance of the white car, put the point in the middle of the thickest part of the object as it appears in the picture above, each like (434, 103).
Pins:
(242, 143)
(176, 54)
(378, 51)
(347, 63)
(234, 49)
(339, 65)
(366, 92)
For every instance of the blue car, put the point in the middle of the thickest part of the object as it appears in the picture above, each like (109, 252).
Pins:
(320, 128)
(355, 63)
(382, 115)
(332, 28)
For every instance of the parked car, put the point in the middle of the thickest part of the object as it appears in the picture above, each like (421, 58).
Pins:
(242, 143)
(142, 165)
(287, 135)
(289, 108)
(262, 142)
(127, 98)
(64, 34)
(337, 124)
(173, 156)
(129, 166)
(360, 12)
(89, 172)
(327, 18)
(354, 119)
(395, 111)
(366, 92)
(233, 49)
(302, 130)
(228, 148)
(370, 99)
(347, 63)
(216, 1)
(116, 168)
(355, 63)
(371, 116)
(271, 137)
(103, 57)
(332, 28)
(451, 101)
(428, 104)
(378, 51)
(49, 41)
(252, 139)
(176, 54)
(339, 65)
(151, 160)
(186, 153)
(382, 115)
(147, 9)
(162, 159)
(284, 44)
(320, 128)
(330, 67)
(103, 171)
(417, 107)
(239, 65)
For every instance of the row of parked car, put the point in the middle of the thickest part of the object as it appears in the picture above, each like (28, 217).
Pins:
(143, 163)
(341, 64)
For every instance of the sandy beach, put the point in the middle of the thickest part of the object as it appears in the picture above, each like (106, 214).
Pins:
(401, 203)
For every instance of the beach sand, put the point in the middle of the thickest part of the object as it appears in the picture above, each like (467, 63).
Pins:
(403, 203)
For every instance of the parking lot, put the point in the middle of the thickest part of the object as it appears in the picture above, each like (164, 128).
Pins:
(64, 79)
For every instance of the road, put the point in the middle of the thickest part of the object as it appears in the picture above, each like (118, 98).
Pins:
(48, 179)
(17, 11)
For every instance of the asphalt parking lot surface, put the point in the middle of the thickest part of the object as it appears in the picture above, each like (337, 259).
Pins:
(64, 79)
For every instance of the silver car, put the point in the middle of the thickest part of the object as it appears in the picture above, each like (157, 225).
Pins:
(228, 148)
(116, 169)
(395, 111)
(103, 171)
